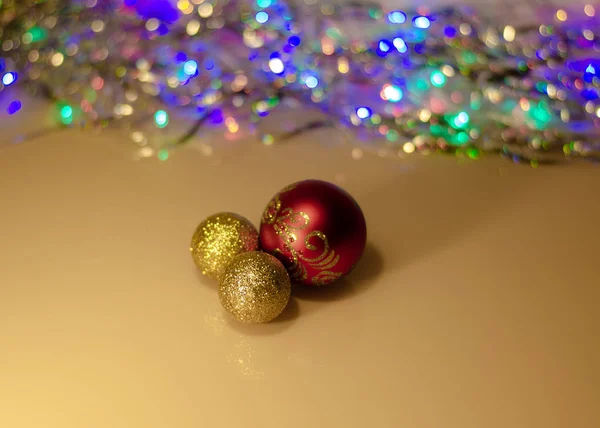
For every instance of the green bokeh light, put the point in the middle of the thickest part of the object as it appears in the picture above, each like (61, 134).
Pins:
(263, 3)
(392, 135)
(438, 79)
(470, 57)
(66, 114)
(540, 114)
(422, 84)
(161, 118)
(459, 121)
(473, 152)
(462, 138)
(36, 33)
(163, 154)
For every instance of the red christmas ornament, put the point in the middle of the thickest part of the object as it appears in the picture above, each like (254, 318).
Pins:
(316, 229)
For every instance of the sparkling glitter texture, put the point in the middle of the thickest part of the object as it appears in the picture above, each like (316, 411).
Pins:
(220, 238)
(255, 288)
(166, 70)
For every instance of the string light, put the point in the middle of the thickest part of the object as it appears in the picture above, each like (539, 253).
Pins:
(400, 45)
(262, 17)
(363, 112)
(312, 82)
(276, 65)
(397, 17)
(589, 10)
(449, 63)
(161, 118)
(9, 78)
(391, 93)
(66, 114)
(438, 79)
(421, 22)
(509, 33)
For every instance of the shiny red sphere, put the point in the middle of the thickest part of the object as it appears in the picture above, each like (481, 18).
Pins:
(316, 229)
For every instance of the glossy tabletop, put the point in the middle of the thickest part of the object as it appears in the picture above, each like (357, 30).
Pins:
(477, 303)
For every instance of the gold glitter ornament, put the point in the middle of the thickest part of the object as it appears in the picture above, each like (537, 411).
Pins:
(218, 239)
(255, 288)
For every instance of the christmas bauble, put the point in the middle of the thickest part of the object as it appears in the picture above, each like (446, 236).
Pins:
(220, 238)
(316, 229)
(255, 288)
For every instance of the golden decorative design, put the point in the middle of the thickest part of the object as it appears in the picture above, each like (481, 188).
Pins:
(325, 277)
(285, 223)
(270, 214)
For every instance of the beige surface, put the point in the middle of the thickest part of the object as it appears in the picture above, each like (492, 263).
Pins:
(475, 306)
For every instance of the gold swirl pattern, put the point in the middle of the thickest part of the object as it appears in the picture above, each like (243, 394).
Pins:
(285, 223)
(325, 277)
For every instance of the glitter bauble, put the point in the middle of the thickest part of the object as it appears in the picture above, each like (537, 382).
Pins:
(255, 288)
(316, 229)
(220, 238)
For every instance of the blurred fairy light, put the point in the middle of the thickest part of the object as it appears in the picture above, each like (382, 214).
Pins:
(438, 79)
(276, 65)
(408, 148)
(421, 22)
(509, 33)
(264, 3)
(161, 118)
(384, 46)
(14, 107)
(397, 17)
(9, 78)
(434, 81)
(152, 24)
(363, 112)
(262, 17)
(66, 115)
(312, 82)
(589, 10)
(400, 45)
(391, 93)
(193, 27)
(205, 10)
(190, 67)
(343, 66)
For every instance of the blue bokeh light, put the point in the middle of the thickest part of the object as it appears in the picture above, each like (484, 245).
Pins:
(396, 17)
(400, 45)
(190, 67)
(312, 82)
(9, 78)
(384, 46)
(294, 41)
(14, 107)
(276, 65)
(262, 17)
(590, 69)
(421, 22)
(450, 32)
(162, 10)
(363, 112)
